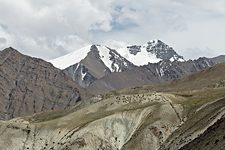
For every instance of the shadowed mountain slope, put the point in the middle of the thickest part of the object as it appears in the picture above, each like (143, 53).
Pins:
(30, 85)
(153, 74)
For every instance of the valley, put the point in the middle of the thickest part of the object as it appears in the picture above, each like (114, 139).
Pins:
(162, 114)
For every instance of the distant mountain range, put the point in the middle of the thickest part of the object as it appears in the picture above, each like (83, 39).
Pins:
(102, 69)
(98, 98)
(30, 85)
(190, 116)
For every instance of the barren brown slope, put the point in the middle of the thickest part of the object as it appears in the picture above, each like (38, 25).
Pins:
(206, 110)
(147, 121)
(211, 77)
(157, 73)
(29, 85)
(212, 139)
(107, 125)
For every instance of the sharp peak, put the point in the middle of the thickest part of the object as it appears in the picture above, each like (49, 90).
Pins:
(10, 50)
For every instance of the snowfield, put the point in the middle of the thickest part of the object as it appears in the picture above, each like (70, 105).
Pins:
(142, 57)
(71, 58)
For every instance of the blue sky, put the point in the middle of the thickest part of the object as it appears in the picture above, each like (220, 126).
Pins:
(52, 28)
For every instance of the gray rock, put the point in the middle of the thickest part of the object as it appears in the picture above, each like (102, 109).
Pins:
(30, 85)
(92, 68)
(150, 74)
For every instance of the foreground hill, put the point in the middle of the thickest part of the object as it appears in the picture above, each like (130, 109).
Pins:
(30, 85)
(139, 119)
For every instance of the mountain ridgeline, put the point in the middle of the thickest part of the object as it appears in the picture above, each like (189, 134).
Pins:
(137, 118)
(98, 98)
(102, 69)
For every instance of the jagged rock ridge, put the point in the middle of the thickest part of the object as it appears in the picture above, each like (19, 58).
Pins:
(131, 66)
(151, 74)
(94, 62)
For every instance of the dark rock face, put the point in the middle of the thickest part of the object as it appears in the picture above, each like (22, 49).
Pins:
(151, 73)
(134, 49)
(92, 68)
(157, 48)
(119, 63)
(92, 73)
(30, 85)
(167, 70)
(81, 74)
(162, 50)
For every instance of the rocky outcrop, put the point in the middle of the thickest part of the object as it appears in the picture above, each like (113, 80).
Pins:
(81, 74)
(30, 85)
(163, 51)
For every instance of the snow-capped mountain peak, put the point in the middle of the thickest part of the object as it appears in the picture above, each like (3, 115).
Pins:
(112, 59)
(152, 52)
(138, 55)
(96, 61)
(71, 58)
(163, 51)
(108, 56)
(91, 62)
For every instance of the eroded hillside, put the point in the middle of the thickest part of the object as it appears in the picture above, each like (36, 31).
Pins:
(107, 124)
(147, 120)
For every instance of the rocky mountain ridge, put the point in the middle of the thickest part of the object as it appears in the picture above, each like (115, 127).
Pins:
(101, 61)
(163, 71)
(30, 85)
(105, 69)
